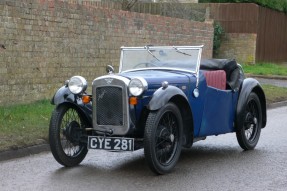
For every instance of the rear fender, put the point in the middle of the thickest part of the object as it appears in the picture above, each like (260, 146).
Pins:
(249, 85)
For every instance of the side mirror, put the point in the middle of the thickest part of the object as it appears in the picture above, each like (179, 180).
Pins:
(110, 69)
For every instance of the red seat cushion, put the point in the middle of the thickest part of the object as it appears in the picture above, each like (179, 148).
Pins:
(216, 79)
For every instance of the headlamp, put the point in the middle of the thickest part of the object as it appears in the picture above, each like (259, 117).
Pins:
(77, 84)
(137, 86)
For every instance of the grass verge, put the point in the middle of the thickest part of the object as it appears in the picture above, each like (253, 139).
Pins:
(274, 94)
(265, 69)
(23, 125)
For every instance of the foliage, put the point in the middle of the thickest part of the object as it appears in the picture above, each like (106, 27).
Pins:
(218, 34)
(279, 5)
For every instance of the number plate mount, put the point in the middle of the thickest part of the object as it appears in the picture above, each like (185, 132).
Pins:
(111, 143)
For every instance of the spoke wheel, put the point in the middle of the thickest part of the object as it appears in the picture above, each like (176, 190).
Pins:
(249, 135)
(65, 133)
(162, 143)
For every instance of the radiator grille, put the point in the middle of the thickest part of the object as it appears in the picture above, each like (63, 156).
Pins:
(109, 105)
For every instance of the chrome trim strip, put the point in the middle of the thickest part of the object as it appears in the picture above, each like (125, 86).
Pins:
(162, 47)
(113, 76)
(159, 68)
(198, 67)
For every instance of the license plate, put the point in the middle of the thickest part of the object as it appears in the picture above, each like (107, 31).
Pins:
(111, 143)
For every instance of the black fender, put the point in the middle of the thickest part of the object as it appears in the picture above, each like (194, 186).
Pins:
(163, 95)
(64, 96)
(249, 85)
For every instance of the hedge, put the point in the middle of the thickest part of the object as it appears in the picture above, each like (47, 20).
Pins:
(279, 5)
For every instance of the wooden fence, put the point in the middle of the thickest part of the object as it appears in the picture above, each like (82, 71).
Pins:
(269, 25)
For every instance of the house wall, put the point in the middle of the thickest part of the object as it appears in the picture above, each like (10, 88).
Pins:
(43, 43)
(239, 46)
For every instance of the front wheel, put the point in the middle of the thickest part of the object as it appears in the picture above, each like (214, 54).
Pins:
(162, 138)
(65, 135)
(249, 135)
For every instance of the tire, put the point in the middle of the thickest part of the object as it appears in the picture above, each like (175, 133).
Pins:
(249, 135)
(163, 138)
(65, 133)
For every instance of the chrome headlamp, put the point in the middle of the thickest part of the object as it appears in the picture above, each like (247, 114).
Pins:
(77, 84)
(137, 86)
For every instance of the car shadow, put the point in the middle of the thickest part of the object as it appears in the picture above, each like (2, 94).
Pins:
(199, 157)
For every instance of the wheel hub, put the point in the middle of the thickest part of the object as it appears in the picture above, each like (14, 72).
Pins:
(250, 120)
(171, 137)
(166, 135)
(255, 120)
(72, 132)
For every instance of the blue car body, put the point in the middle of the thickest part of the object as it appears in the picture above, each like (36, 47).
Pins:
(209, 117)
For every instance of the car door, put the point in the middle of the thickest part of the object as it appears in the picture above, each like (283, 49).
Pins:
(219, 112)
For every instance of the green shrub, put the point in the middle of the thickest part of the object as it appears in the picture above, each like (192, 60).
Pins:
(217, 38)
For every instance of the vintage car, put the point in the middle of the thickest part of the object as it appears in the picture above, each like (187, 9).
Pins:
(162, 99)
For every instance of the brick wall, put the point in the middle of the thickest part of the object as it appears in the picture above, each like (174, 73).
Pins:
(241, 46)
(44, 43)
(190, 11)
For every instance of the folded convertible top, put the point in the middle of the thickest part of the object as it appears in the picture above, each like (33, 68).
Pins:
(233, 75)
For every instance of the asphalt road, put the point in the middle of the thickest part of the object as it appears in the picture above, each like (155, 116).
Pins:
(217, 163)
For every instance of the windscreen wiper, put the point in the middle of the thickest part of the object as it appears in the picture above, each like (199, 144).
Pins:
(179, 51)
(147, 48)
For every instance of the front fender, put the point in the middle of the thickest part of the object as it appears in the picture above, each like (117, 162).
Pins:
(63, 95)
(163, 95)
(249, 85)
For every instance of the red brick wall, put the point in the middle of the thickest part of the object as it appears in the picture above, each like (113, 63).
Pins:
(47, 42)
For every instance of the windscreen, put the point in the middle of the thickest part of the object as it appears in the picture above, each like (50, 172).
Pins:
(186, 58)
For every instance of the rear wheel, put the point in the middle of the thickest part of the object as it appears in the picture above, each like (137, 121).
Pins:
(65, 135)
(249, 135)
(162, 139)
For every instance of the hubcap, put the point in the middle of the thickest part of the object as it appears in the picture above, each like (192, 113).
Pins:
(251, 121)
(72, 132)
(171, 137)
(255, 120)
